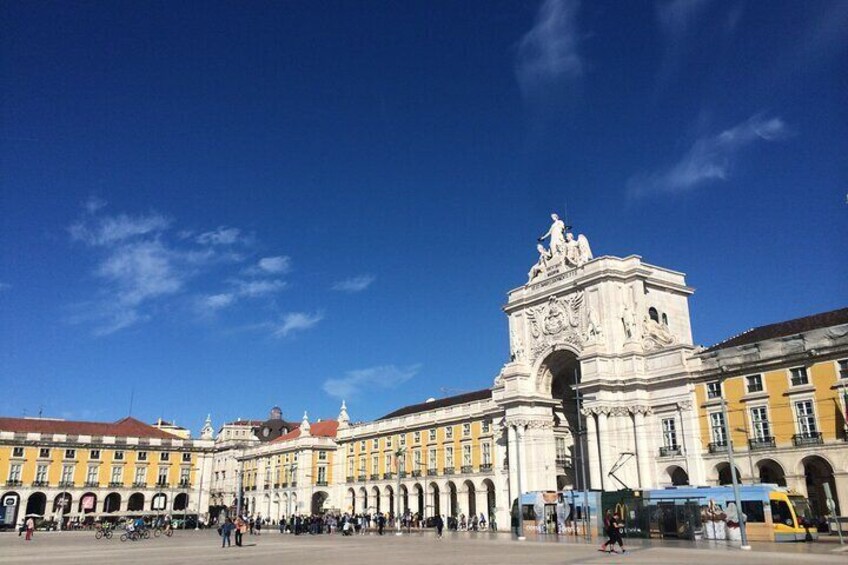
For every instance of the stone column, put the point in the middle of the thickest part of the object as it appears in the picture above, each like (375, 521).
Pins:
(521, 442)
(591, 454)
(643, 447)
(513, 466)
(603, 453)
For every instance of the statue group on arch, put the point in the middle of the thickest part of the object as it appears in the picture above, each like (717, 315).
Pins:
(563, 249)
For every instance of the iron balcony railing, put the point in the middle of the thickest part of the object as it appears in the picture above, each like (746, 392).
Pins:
(670, 451)
(13, 483)
(807, 438)
(39, 483)
(432, 472)
(485, 467)
(361, 478)
(467, 469)
(416, 473)
(448, 471)
(717, 446)
(388, 475)
(765, 442)
(375, 476)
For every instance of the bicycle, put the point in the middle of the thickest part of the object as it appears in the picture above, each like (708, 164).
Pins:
(158, 531)
(103, 531)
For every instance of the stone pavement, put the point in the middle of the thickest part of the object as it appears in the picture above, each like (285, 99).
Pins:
(418, 548)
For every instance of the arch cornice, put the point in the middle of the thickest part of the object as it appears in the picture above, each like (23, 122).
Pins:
(542, 382)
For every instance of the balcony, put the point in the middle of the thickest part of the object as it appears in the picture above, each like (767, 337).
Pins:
(448, 471)
(95, 484)
(807, 438)
(294, 484)
(388, 476)
(13, 483)
(349, 479)
(765, 442)
(671, 451)
(39, 483)
(563, 461)
(66, 484)
(162, 484)
(375, 476)
(321, 483)
(116, 484)
(285, 485)
(361, 478)
(432, 472)
(717, 447)
(485, 467)
(416, 473)
(402, 474)
(466, 469)
(187, 484)
(276, 485)
(137, 484)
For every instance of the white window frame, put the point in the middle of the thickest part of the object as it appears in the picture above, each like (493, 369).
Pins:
(41, 471)
(140, 475)
(798, 421)
(669, 433)
(714, 428)
(466, 455)
(756, 431)
(432, 434)
(92, 475)
(748, 384)
(448, 432)
(487, 453)
(709, 394)
(449, 462)
(791, 376)
(15, 470)
(842, 369)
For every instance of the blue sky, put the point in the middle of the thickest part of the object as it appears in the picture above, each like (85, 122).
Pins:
(226, 206)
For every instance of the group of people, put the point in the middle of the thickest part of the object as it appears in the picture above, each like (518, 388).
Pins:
(237, 527)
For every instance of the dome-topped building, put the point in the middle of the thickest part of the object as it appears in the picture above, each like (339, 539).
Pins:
(274, 426)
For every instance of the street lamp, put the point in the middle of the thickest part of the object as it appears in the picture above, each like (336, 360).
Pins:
(734, 478)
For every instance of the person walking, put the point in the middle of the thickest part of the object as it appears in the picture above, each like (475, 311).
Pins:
(226, 532)
(440, 526)
(612, 524)
(30, 527)
(241, 527)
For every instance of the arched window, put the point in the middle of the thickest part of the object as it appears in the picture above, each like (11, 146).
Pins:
(653, 314)
(665, 319)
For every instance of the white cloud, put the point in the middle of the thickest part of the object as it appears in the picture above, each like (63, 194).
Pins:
(109, 230)
(94, 204)
(548, 53)
(709, 159)
(276, 265)
(354, 284)
(297, 321)
(259, 288)
(220, 236)
(369, 380)
(218, 301)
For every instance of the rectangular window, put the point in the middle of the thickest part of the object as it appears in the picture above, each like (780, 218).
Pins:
(119, 456)
(717, 429)
(754, 383)
(760, 423)
(486, 426)
(754, 511)
(322, 475)
(431, 458)
(322, 456)
(15, 472)
(185, 476)
(389, 465)
(67, 474)
(162, 477)
(389, 442)
(449, 432)
(164, 456)
(416, 437)
(432, 434)
(362, 465)
(669, 428)
(70, 453)
(94, 454)
(141, 475)
(91, 474)
(375, 464)
(44, 453)
(362, 446)
(466, 455)
(416, 460)
(142, 456)
(375, 443)
(798, 376)
(402, 440)
(806, 417)
(117, 474)
(41, 474)
(186, 457)
(350, 467)
(487, 453)
(714, 389)
(466, 430)
(349, 449)
(843, 368)
(449, 457)
(17, 452)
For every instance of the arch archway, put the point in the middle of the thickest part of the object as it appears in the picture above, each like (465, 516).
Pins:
(181, 501)
(419, 494)
(391, 507)
(724, 476)
(435, 496)
(363, 500)
(677, 476)
(11, 503)
(87, 503)
(351, 500)
(559, 372)
(471, 493)
(453, 500)
(136, 502)
(404, 499)
(112, 503)
(63, 503)
(375, 499)
(771, 471)
(37, 503)
(490, 499)
(818, 472)
(319, 500)
(159, 502)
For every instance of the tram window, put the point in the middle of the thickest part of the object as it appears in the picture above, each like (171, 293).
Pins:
(529, 512)
(754, 511)
(780, 513)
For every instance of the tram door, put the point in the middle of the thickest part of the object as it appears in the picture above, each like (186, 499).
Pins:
(550, 518)
(667, 519)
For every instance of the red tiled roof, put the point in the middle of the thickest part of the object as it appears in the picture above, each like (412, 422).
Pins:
(783, 329)
(126, 427)
(327, 428)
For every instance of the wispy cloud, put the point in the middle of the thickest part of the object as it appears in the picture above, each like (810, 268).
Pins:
(217, 301)
(710, 158)
(255, 288)
(108, 230)
(354, 284)
(383, 377)
(220, 236)
(276, 265)
(549, 53)
(297, 321)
